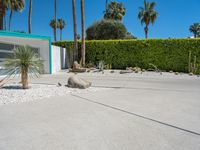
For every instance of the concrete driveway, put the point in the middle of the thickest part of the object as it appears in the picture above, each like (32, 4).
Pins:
(137, 113)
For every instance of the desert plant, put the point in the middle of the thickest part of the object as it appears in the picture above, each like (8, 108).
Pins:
(192, 67)
(23, 61)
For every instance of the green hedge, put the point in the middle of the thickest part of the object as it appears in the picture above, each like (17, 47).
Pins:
(166, 54)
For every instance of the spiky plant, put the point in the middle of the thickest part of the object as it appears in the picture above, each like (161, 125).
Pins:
(23, 61)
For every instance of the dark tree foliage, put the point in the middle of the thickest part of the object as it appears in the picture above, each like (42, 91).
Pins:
(106, 30)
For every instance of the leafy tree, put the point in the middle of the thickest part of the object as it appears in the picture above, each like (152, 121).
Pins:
(61, 26)
(147, 15)
(24, 61)
(130, 36)
(195, 29)
(15, 5)
(54, 25)
(114, 11)
(106, 30)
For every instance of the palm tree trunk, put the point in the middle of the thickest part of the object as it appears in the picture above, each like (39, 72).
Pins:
(1, 15)
(75, 54)
(30, 18)
(60, 34)
(55, 18)
(146, 32)
(24, 77)
(4, 20)
(10, 18)
(83, 33)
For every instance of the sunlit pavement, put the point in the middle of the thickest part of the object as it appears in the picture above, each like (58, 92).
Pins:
(136, 112)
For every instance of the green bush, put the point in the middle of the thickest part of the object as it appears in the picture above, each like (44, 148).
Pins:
(166, 54)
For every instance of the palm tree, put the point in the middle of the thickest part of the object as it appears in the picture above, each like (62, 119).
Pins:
(147, 15)
(30, 17)
(3, 7)
(115, 11)
(15, 5)
(24, 61)
(75, 55)
(195, 29)
(83, 33)
(55, 18)
(61, 26)
(54, 24)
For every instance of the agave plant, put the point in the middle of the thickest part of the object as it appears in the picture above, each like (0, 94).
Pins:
(23, 61)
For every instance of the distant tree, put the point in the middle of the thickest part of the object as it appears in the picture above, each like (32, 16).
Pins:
(61, 26)
(147, 15)
(15, 5)
(114, 11)
(195, 29)
(78, 36)
(54, 25)
(106, 30)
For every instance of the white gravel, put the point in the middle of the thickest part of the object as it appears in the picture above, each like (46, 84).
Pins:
(12, 93)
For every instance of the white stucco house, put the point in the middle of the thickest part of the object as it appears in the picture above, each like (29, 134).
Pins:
(54, 57)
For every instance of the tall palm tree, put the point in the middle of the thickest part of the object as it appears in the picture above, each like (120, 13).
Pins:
(195, 29)
(30, 17)
(61, 26)
(147, 15)
(3, 7)
(83, 33)
(54, 25)
(75, 54)
(23, 61)
(15, 5)
(55, 18)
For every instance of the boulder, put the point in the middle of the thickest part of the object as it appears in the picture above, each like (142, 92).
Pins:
(76, 82)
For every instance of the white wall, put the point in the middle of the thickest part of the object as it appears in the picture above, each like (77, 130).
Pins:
(58, 59)
(42, 45)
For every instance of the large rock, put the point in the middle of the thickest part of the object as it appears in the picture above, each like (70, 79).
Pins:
(76, 82)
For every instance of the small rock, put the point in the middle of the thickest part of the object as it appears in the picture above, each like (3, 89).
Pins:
(191, 74)
(112, 71)
(170, 71)
(59, 84)
(143, 70)
(76, 82)
(176, 73)
(126, 71)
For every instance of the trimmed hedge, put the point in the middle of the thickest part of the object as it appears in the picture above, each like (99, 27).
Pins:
(166, 54)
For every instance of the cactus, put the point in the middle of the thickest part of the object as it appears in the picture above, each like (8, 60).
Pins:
(189, 62)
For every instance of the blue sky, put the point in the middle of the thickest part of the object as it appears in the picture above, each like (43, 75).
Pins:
(175, 17)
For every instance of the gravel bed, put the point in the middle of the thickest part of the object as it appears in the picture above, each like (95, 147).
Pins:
(12, 93)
